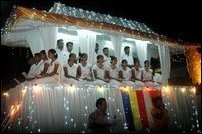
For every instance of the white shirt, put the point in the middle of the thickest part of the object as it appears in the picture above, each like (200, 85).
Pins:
(126, 73)
(72, 71)
(33, 71)
(60, 71)
(147, 75)
(41, 66)
(113, 73)
(106, 60)
(138, 73)
(85, 71)
(129, 59)
(100, 71)
(63, 56)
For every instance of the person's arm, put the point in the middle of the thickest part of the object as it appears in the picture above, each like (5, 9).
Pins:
(96, 77)
(46, 65)
(54, 71)
(67, 75)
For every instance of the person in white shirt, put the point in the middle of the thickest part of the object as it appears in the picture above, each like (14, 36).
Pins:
(106, 56)
(147, 76)
(99, 71)
(44, 65)
(62, 54)
(126, 74)
(113, 72)
(137, 74)
(71, 70)
(70, 46)
(55, 71)
(127, 56)
(96, 53)
(34, 69)
(84, 69)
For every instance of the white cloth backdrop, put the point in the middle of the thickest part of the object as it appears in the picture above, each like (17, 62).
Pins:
(141, 51)
(48, 37)
(42, 38)
(164, 55)
(87, 40)
(117, 44)
(63, 108)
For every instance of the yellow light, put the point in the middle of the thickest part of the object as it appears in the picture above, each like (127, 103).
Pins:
(12, 112)
(193, 90)
(6, 94)
(71, 88)
(183, 89)
(125, 88)
(37, 89)
(23, 92)
(166, 89)
(18, 107)
(100, 89)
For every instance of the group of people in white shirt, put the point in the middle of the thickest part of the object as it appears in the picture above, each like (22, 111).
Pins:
(63, 66)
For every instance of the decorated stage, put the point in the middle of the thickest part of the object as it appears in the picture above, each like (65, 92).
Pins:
(65, 108)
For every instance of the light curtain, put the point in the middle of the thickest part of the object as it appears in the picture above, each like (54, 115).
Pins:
(164, 55)
(141, 51)
(63, 108)
(87, 40)
(117, 44)
(184, 108)
(48, 37)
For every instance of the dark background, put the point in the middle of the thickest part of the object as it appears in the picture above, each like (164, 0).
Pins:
(175, 20)
(172, 18)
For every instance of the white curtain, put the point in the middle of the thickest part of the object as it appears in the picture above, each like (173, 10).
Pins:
(183, 108)
(141, 51)
(164, 55)
(61, 108)
(43, 38)
(87, 40)
(117, 44)
(49, 37)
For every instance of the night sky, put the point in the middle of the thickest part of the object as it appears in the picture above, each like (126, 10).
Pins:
(175, 20)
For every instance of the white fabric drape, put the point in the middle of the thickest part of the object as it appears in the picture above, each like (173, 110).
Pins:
(43, 38)
(87, 40)
(48, 36)
(141, 51)
(64, 108)
(183, 108)
(117, 44)
(164, 55)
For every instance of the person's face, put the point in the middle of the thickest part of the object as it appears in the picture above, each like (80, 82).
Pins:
(114, 61)
(60, 44)
(103, 106)
(73, 58)
(37, 58)
(50, 55)
(147, 64)
(84, 58)
(101, 60)
(70, 47)
(125, 64)
(42, 55)
(127, 50)
(137, 63)
(106, 52)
